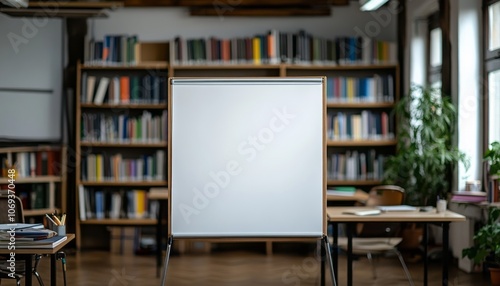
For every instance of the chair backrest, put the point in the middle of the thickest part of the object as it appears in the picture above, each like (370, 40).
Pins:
(385, 195)
(11, 209)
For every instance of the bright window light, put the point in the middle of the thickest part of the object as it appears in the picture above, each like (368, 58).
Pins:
(370, 5)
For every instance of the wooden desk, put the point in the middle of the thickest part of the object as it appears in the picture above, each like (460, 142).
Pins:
(28, 255)
(335, 216)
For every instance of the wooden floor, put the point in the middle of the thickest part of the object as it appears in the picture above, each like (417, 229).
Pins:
(239, 267)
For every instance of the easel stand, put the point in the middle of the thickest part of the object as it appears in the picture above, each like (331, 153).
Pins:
(325, 246)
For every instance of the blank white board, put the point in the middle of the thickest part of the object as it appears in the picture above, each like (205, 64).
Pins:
(246, 157)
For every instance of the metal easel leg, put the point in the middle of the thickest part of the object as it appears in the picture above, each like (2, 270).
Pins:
(165, 264)
(329, 255)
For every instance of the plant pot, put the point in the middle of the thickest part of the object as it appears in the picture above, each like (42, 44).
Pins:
(412, 236)
(495, 276)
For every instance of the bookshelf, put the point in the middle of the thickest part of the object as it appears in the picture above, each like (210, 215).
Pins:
(121, 114)
(40, 180)
(363, 80)
(360, 122)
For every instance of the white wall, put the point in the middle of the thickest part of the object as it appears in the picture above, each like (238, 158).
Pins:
(30, 58)
(154, 24)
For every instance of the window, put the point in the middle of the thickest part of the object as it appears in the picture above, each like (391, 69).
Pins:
(435, 51)
(492, 70)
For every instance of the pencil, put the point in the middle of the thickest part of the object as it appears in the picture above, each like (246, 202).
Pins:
(58, 222)
(63, 219)
(50, 219)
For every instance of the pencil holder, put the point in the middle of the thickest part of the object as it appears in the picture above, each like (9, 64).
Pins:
(60, 229)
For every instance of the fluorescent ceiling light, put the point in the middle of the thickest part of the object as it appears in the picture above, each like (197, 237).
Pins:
(15, 3)
(370, 5)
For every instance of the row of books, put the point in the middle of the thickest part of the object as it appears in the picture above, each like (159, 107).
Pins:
(355, 165)
(282, 47)
(379, 88)
(133, 89)
(30, 164)
(112, 50)
(145, 128)
(367, 125)
(113, 168)
(33, 196)
(98, 203)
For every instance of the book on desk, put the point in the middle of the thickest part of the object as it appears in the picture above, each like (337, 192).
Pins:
(51, 242)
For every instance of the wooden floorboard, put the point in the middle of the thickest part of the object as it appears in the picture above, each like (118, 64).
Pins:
(239, 267)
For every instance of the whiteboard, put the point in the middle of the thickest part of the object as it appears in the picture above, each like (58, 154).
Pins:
(246, 157)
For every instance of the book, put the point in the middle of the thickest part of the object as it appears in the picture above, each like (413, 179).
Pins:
(362, 212)
(16, 226)
(341, 191)
(91, 80)
(101, 90)
(398, 208)
(41, 243)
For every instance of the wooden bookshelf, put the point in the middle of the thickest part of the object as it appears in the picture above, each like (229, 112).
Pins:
(40, 180)
(33, 180)
(125, 184)
(124, 106)
(140, 123)
(120, 222)
(206, 65)
(360, 143)
(123, 145)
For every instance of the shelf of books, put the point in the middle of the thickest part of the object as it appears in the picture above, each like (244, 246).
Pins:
(121, 109)
(40, 177)
(122, 143)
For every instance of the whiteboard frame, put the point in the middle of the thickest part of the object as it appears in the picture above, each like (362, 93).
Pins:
(171, 81)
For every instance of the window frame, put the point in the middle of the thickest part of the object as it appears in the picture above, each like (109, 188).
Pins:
(434, 74)
(491, 60)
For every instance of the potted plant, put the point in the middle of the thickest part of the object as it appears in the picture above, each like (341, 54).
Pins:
(492, 156)
(425, 155)
(486, 248)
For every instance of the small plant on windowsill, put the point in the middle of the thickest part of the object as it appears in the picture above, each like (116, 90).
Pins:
(492, 155)
(486, 248)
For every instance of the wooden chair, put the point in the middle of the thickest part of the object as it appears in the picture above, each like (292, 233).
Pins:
(379, 238)
(17, 218)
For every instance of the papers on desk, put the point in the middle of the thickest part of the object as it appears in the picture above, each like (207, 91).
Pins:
(16, 226)
(362, 212)
(41, 243)
(398, 208)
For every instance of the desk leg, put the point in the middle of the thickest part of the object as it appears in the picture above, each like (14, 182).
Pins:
(350, 231)
(446, 231)
(28, 264)
(426, 260)
(53, 268)
(323, 253)
(335, 258)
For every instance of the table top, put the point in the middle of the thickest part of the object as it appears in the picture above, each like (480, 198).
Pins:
(54, 250)
(336, 214)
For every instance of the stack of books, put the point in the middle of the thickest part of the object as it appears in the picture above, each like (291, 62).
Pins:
(341, 191)
(20, 235)
(469, 197)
